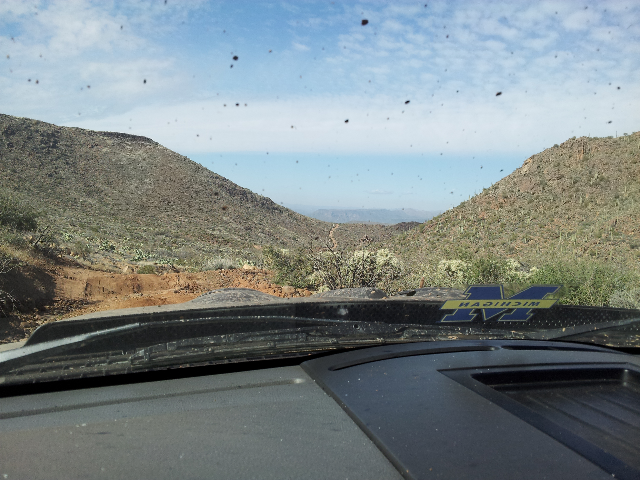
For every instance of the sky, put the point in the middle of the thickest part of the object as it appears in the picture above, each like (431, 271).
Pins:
(350, 104)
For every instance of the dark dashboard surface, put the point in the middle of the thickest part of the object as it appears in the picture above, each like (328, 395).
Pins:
(493, 409)
(454, 409)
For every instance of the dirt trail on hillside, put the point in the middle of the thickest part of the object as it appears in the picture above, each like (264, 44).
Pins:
(75, 291)
(333, 239)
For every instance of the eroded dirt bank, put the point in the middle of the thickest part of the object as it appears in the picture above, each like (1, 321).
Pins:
(107, 291)
(68, 291)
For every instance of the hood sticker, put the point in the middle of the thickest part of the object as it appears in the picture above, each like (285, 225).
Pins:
(490, 300)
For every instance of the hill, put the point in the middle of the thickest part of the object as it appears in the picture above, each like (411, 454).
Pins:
(129, 197)
(577, 200)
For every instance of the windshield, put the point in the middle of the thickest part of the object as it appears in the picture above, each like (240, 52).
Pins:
(428, 152)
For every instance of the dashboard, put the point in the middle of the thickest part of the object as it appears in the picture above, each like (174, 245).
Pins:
(450, 410)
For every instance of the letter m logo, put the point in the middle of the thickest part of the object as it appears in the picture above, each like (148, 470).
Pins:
(517, 308)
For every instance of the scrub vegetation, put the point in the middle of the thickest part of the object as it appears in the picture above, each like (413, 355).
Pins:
(585, 282)
(16, 222)
(16, 217)
(331, 268)
(7, 301)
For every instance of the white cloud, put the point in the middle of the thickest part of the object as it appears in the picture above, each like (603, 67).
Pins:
(467, 123)
(300, 47)
(399, 10)
(127, 78)
(70, 45)
(540, 43)
(66, 29)
(393, 26)
(290, 7)
(581, 20)
(404, 51)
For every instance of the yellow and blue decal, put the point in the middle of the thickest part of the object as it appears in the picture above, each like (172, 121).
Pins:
(489, 299)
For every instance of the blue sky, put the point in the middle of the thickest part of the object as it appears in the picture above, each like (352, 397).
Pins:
(563, 69)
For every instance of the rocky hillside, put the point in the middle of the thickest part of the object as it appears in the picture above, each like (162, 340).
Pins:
(126, 193)
(578, 199)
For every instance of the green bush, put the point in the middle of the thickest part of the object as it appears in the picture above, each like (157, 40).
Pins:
(81, 248)
(362, 268)
(629, 298)
(16, 216)
(478, 271)
(106, 246)
(496, 270)
(7, 301)
(329, 270)
(146, 270)
(218, 263)
(586, 282)
(140, 255)
(291, 267)
(15, 239)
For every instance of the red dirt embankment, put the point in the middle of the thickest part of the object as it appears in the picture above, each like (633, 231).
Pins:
(107, 291)
(67, 291)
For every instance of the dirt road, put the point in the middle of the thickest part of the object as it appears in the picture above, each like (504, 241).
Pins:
(107, 291)
(68, 291)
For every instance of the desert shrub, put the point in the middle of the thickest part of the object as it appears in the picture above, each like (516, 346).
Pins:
(588, 282)
(333, 269)
(163, 256)
(585, 282)
(291, 267)
(492, 270)
(106, 246)
(81, 248)
(16, 216)
(165, 260)
(362, 268)
(450, 273)
(146, 270)
(7, 301)
(484, 270)
(629, 298)
(15, 239)
(139, 254)
(218, 263)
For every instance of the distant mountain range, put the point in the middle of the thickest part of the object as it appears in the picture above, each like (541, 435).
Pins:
(382, 216)
(365, 215)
